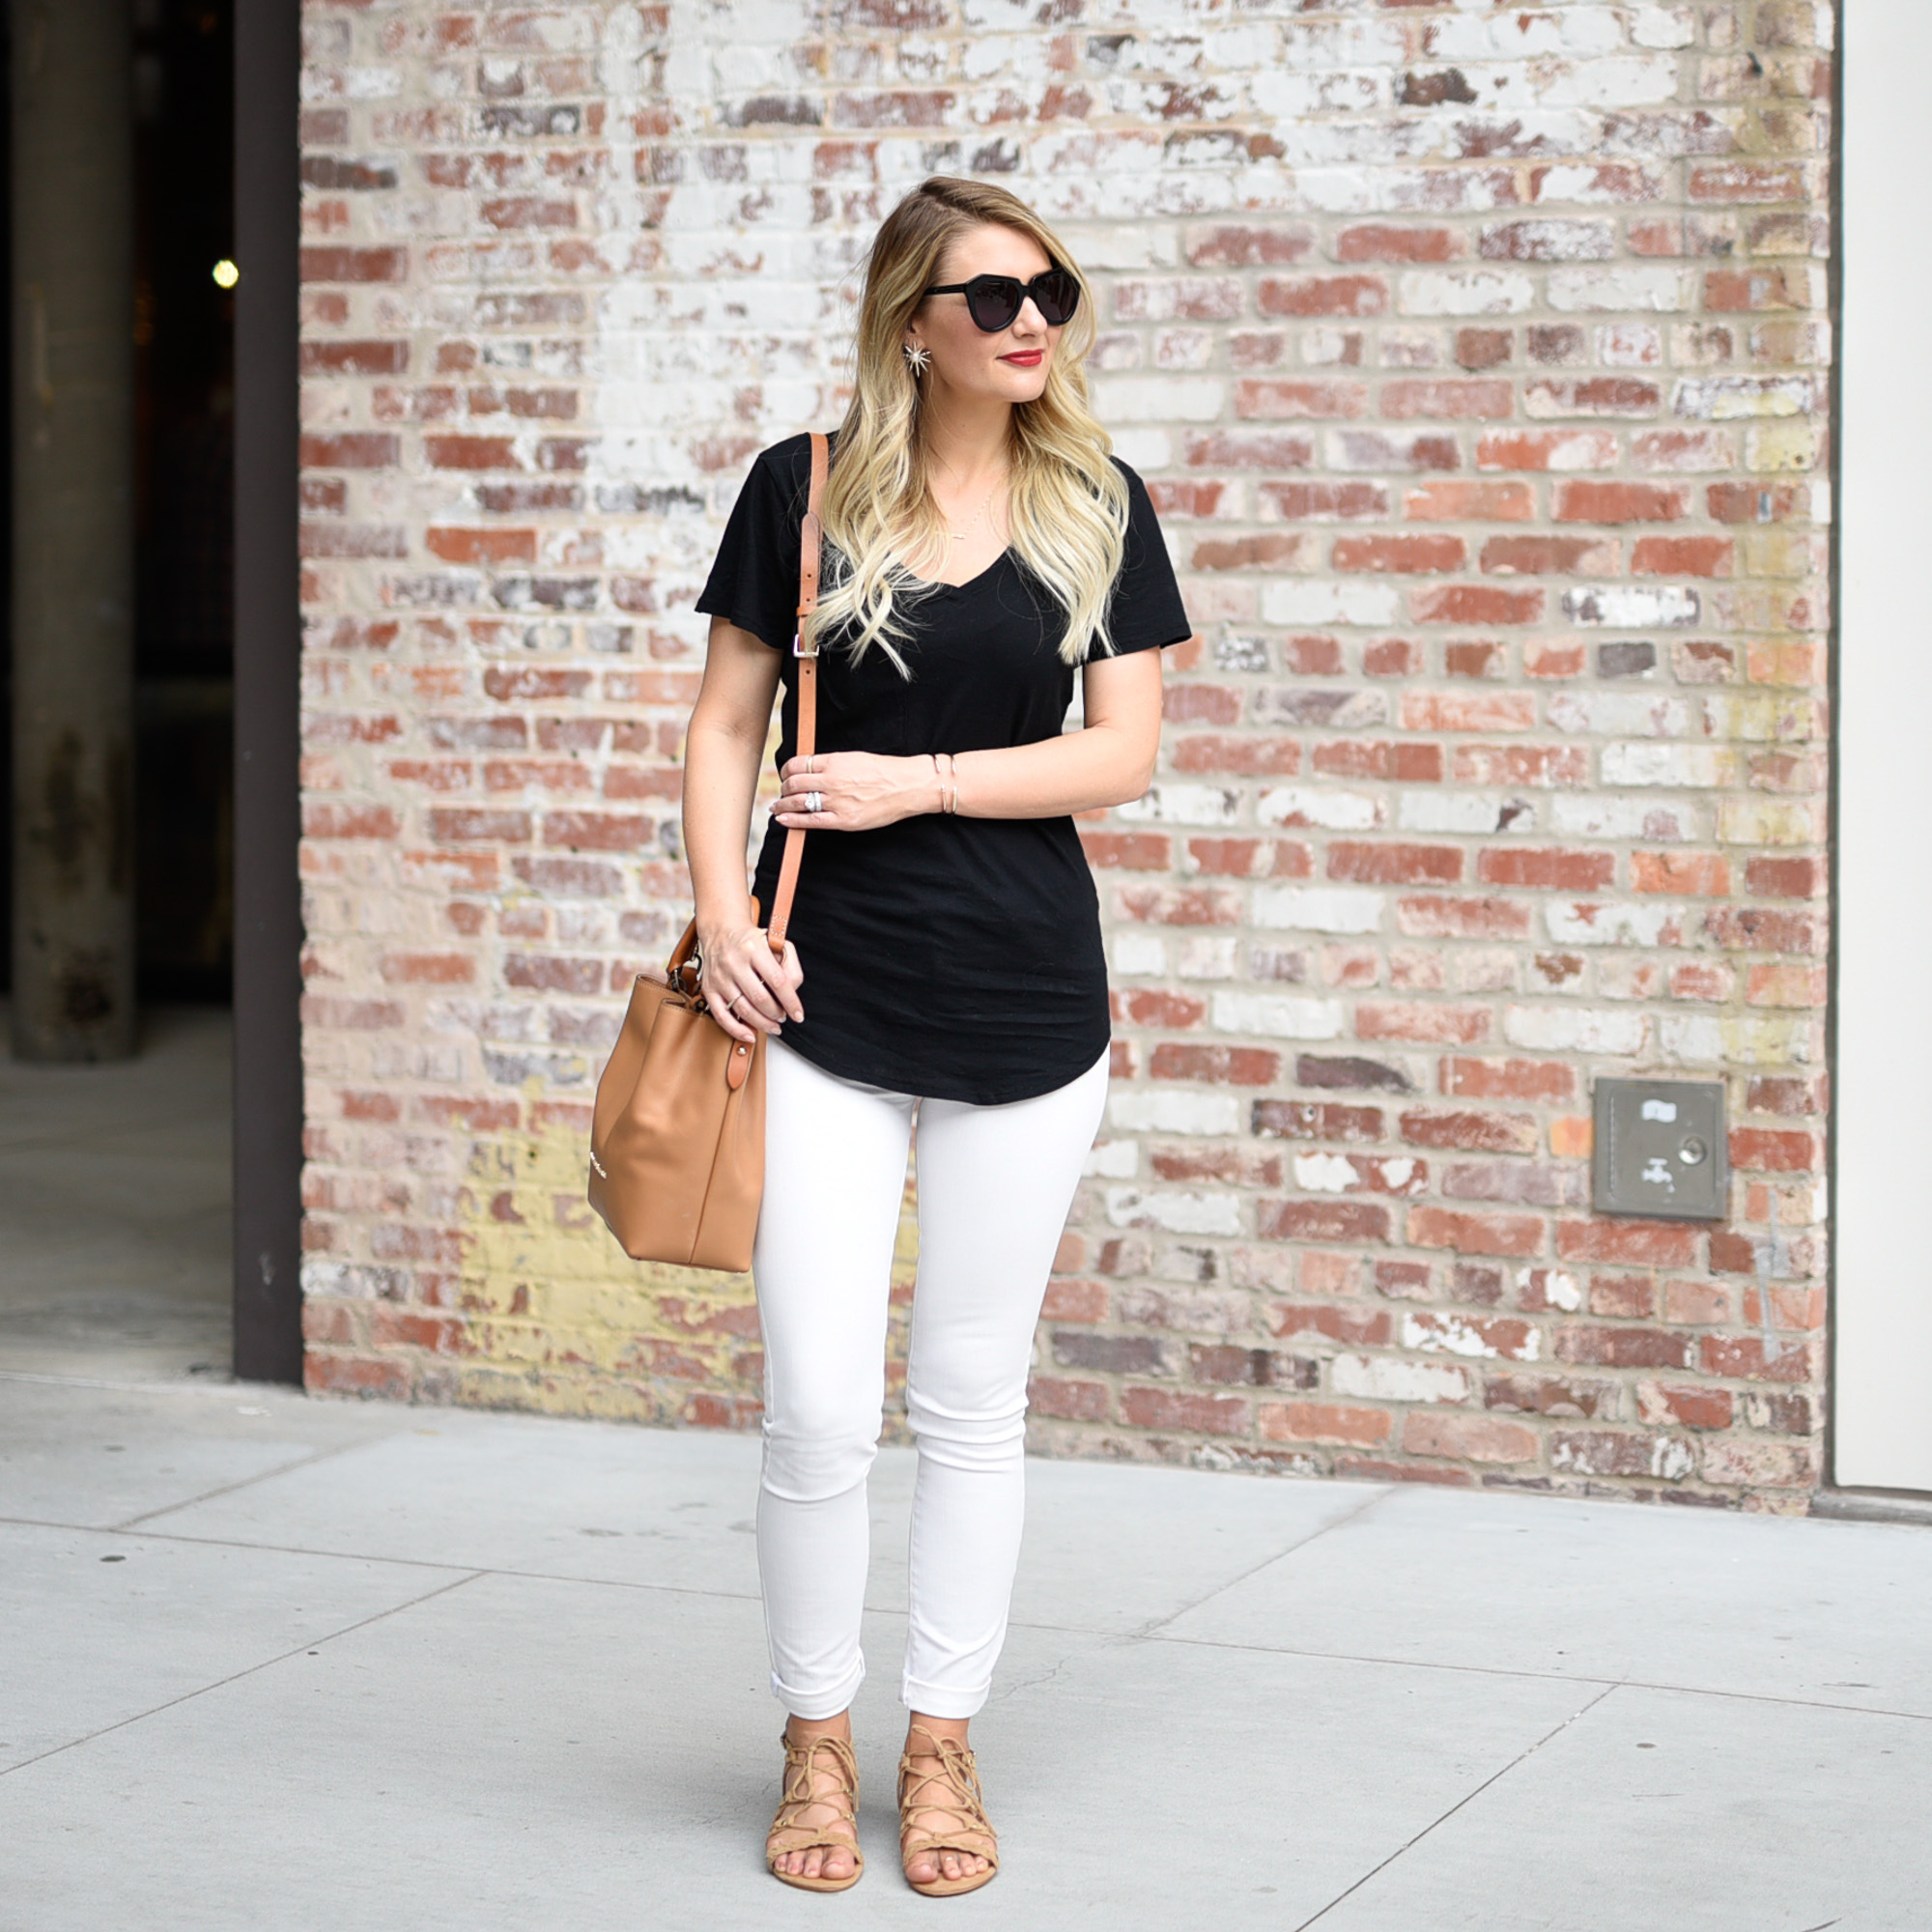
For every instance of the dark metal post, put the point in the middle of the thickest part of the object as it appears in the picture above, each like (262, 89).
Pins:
(73, 529)
(268, 659)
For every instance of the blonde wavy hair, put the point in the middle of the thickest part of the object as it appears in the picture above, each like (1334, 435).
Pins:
(1067, 501)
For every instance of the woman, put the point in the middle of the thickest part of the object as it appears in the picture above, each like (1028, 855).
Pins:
(981, 543)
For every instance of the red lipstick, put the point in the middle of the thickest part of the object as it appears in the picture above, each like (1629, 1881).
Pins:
(1025, 358)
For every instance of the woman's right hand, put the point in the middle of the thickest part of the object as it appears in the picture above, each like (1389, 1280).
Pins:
(748, 987)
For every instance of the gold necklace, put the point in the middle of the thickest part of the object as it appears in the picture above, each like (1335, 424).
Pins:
(960, 536)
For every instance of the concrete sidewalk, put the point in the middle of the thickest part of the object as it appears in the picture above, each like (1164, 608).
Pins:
(268, 1663)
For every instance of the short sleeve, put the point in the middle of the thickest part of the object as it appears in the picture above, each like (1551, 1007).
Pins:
(754, 581)
(1146, 613)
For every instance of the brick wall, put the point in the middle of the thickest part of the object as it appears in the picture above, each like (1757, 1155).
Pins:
(1476, 358)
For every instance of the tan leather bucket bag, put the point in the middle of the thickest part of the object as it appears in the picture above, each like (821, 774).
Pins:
(677, 1137)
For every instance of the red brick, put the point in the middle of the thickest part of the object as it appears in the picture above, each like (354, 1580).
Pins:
(1224, 1066)
(1682, 557)
(1585, 501)
(1547, 557)
(1625, 1348)
(1359, 1328)
(359, 449)
(1553, 868)
(1321, 1221)
(1489, 1133)
(1130, 851)
(1784, 878)
(1324, 294)
(1195, 1414)
(1474, 1438)
(1394, 864)
(1399, 553)
(1475, 604)
(1257, 398)
(355, 265)
(1448, 400)
(1316, 502)
(1457, 502)
(1646, 1244)
(1546, 450)
(1430, 918)
(1069, 1401)
(1315, 1121)
(1324, 1421)
(1380, 241)
(1509, 1079)
(1516, 1234)
(471, 452)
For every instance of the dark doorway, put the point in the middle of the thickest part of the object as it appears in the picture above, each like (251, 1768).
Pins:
(115, 1197)
(183, 336)
(184, 362)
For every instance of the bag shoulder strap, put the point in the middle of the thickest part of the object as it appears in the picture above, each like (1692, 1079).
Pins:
(805, 647)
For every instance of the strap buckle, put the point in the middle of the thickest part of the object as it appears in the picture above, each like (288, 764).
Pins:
(798, 649)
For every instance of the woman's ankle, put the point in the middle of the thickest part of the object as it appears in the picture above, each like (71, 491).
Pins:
(803, 1730)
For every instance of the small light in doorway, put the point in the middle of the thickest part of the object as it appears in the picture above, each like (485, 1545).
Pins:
(226, 273)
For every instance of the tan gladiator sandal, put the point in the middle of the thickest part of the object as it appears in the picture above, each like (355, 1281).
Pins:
(790, 1835)
(955, 1787)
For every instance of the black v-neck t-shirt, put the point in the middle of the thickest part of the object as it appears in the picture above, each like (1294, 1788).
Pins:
(947, 956)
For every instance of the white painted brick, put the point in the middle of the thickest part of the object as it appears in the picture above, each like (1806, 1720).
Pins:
(1598, 817)
(1171, 804)
(1603, 923)
(1173, 1110)
(1734, 398)
(1626, 714)
(1389, 1379)
(1278, 1017)
(1113, 1160)
(1468, 292)
(1687, 765)
(1178, 1211)
(1322, 601)
(1573, 1030)
(1163, 399)
(1662, 27)
(1317, 908)
(1203, 958)
(1312, 805)
(1478, 811)
(1633, 606)
(1452, 1335)
(1628, 285)
(1740, 1040)
(1137, 954)
(1288, 96)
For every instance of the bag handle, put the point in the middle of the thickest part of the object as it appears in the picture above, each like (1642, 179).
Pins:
(804, 648)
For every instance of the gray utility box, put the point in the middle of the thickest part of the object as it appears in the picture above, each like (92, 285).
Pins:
(1660, 1150)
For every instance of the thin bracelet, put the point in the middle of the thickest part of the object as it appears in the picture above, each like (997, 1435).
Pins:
(953, 772)
(938, 779)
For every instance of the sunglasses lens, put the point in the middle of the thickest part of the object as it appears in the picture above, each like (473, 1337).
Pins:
(1058, 295)
(993, 301)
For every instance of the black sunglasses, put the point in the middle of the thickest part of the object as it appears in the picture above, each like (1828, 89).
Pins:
(994, 302)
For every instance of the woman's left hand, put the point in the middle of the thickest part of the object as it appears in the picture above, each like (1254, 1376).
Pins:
(856, 791)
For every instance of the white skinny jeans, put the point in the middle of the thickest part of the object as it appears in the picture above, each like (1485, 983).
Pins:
(995, 1184)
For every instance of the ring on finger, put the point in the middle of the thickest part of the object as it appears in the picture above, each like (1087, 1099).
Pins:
(815, 800)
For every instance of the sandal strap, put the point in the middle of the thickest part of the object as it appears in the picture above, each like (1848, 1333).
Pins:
(788, 1833)
(958, 1793)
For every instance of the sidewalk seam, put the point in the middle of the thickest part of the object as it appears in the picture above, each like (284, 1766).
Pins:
(1154, 1627)
(236, 1676)
(1467, 1798)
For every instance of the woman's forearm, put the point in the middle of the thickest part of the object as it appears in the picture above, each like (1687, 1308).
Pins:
(1079, 772)
(721, 777)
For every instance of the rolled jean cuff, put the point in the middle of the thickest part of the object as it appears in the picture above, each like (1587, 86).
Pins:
(939, 1701)
(813, 1706)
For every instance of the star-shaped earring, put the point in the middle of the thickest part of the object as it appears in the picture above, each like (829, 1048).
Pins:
(919, 358)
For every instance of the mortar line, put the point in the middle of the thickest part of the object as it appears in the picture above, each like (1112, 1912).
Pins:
(1466, 1799)
(1360, 1510)
(236, 1676)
